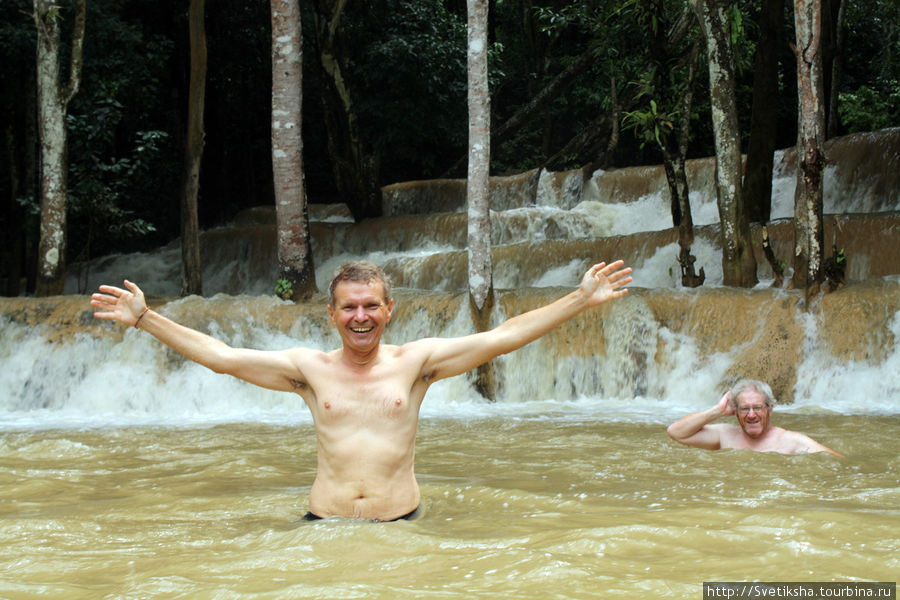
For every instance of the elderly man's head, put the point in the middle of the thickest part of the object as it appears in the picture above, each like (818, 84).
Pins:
(752, 401)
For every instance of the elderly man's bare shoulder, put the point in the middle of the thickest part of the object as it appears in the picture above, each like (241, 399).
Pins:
(796, 442)
(730, 435)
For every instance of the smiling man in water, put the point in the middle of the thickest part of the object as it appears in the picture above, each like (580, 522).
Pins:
(751, 402)
(365, 396)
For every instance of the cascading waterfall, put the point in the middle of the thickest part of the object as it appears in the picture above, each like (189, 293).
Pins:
(128, 472)
(657, 353)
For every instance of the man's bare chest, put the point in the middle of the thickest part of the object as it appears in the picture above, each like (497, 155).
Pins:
(373, 397)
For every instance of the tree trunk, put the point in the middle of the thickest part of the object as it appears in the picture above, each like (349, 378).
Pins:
(674, 144)
(191, 269)
(294, 256)
(833, 121)
(809, 236)
(14, 214)
(481, 286)
(53, 102)
(355, 166)
(738, 262)
(763, 114)
(676, 175)
(538, 104)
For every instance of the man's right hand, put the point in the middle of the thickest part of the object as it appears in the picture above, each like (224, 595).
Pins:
(116, 304)
(725, 407)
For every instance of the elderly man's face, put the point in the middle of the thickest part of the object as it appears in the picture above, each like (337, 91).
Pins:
(753, 413)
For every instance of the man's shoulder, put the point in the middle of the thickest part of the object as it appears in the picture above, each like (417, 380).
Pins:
(302, 354)
(796, 441)
(730, 435)
(414, 346)
(730, 426)
(723, 428)
(788, 441)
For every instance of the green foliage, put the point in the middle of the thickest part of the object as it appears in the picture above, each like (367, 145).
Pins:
(284, 289)
(740, 29)
(590, 17)
(538, 48)
(867, 109)
(409, 69)
(99, 183)
(650, 125)
(123, 167)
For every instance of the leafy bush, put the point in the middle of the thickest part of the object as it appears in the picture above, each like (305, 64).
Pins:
(868, 109)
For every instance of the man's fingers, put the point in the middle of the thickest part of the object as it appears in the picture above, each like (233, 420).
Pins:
(620, 278)
(606, 269)
(622, 282)
(112, 290)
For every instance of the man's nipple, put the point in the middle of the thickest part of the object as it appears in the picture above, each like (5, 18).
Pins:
(327, 405)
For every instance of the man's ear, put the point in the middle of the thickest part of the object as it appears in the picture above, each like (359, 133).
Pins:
(390, 310)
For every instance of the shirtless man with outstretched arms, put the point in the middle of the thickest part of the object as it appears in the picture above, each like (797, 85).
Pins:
(751, 402)
(365, 396)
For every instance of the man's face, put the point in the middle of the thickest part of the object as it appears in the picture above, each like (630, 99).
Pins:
(360, 314)
(753, 413)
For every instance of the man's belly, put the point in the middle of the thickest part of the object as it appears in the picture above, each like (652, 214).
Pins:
(364, 478)
(364, 498)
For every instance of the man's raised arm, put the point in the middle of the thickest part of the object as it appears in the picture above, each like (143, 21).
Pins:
(454, 356)
(269, 369)
(693, 429)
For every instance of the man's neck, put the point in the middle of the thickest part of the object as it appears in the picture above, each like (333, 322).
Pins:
(357, 360)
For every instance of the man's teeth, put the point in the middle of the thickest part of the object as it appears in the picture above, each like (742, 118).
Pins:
(361, 329)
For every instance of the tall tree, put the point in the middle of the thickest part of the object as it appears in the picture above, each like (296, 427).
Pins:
(355, 165)
(763, 113)
(668, 125)
(838, 9)
(191, 268)
(53, 102)
(738, 261)
(294, 256)
(481, 283)
(675, 164)
(809, 236)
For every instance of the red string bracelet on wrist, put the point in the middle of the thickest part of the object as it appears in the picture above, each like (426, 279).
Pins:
(140, 316)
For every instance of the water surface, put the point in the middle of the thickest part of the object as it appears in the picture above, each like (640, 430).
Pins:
(532, 507)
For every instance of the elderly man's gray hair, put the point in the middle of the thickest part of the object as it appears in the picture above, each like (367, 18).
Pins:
(751, 384)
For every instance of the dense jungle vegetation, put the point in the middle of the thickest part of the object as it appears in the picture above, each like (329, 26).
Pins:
(404, 69)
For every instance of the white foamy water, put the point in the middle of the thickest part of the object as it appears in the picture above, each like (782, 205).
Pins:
(652, 374)
(648, 374)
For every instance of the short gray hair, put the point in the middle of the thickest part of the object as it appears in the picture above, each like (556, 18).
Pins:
(751, 384)
(361, 271)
